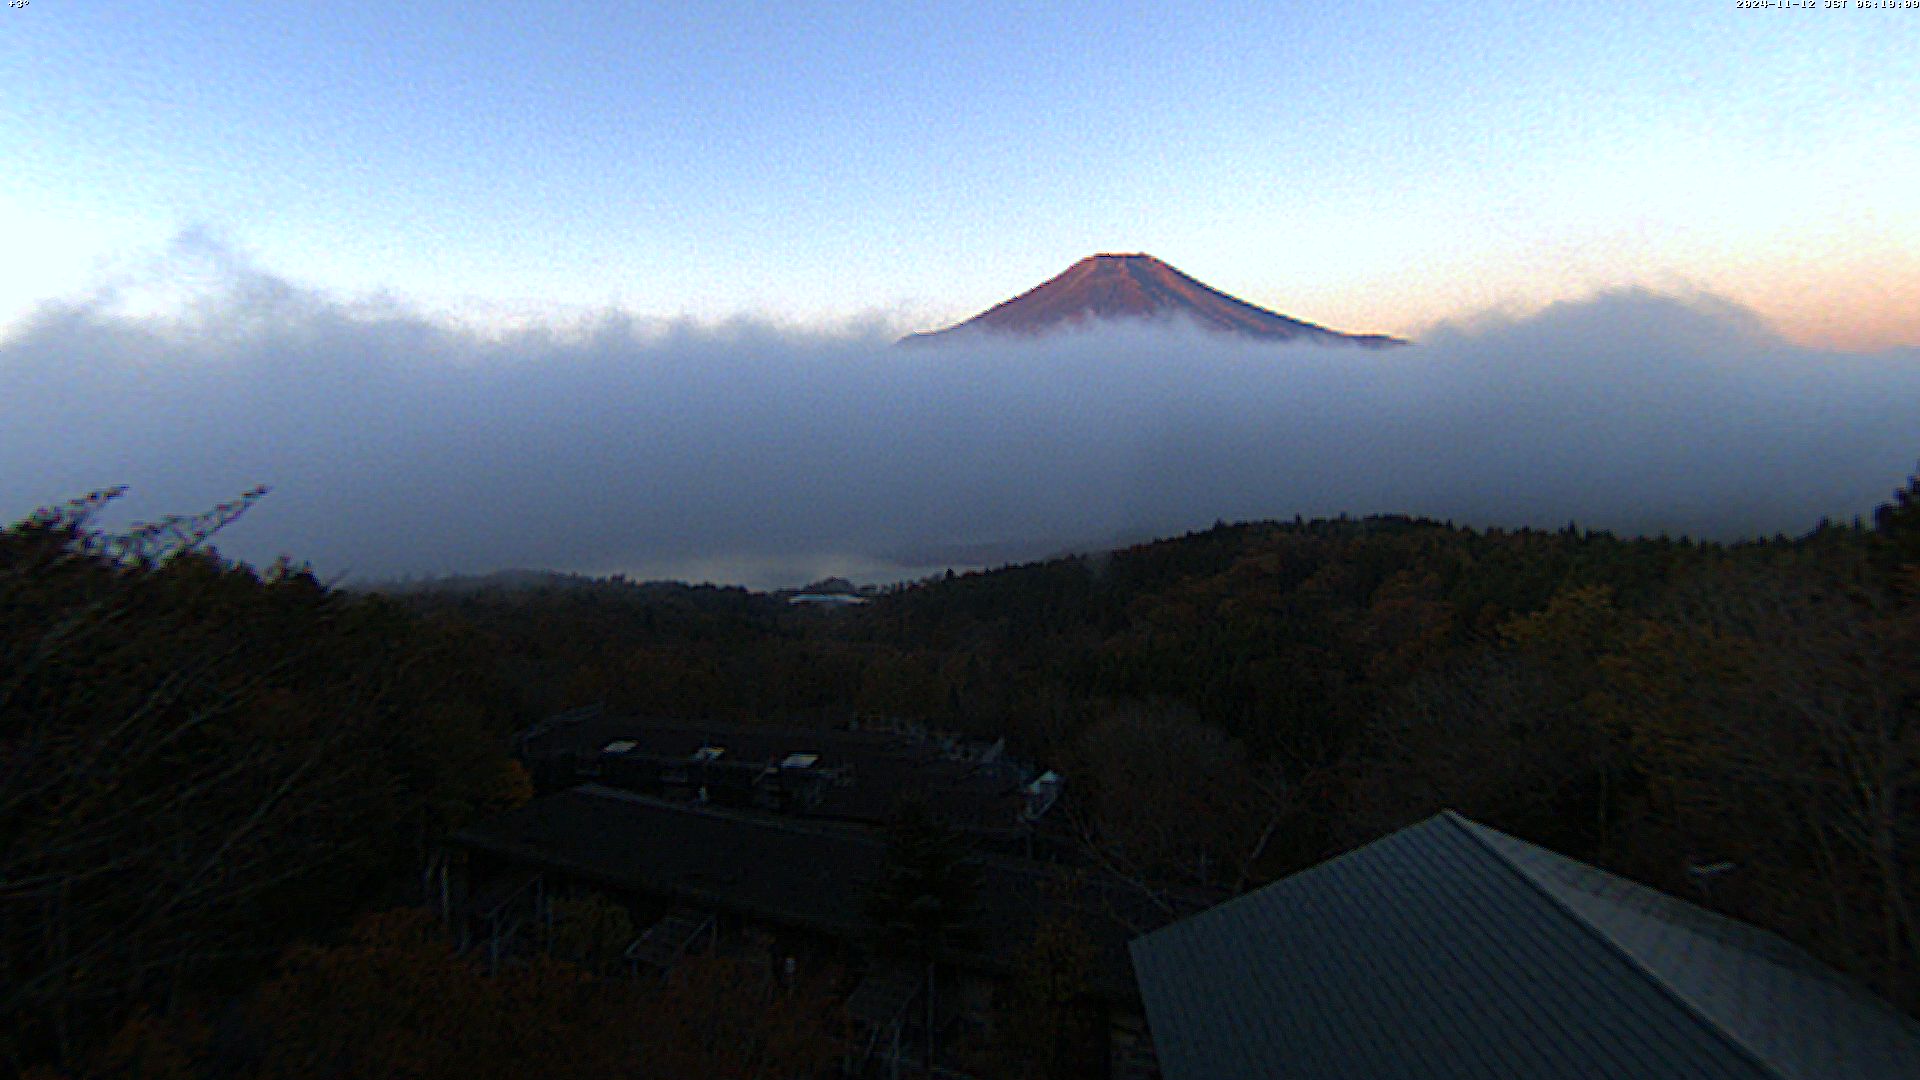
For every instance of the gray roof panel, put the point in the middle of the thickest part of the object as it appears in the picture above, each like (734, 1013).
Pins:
(1802, 1018)
(1450, 950)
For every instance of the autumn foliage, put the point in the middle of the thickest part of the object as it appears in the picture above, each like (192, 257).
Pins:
(209, 774)
(200, 763)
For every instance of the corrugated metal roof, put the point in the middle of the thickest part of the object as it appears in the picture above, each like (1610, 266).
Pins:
(1450, 950)
(1805, 1020)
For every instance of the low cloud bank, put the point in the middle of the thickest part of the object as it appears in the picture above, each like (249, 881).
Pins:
(399, 444)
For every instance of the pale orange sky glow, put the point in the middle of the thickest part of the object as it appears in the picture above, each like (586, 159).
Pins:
(917, 166)
(1858, 297)
(1867, 301)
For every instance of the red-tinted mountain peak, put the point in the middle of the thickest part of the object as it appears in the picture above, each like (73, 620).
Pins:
(1113, 286)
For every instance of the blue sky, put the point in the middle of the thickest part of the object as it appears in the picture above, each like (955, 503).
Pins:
(1376, 167)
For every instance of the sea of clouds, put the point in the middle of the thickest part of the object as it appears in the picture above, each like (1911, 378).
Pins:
(400, 443)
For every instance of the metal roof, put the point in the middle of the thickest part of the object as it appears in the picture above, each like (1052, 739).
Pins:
(804, 874)
(1448, 949)
(982, 797)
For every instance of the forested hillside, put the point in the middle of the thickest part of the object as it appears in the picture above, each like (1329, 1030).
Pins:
(1239, 703)
(210, 774)
(200, 764)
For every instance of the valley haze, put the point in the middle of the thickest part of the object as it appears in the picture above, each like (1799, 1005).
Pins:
(402, 444)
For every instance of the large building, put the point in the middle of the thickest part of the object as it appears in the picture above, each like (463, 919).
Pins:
(1445, 950)
(788, 892)
(764, 842)
(1451, 950)
(831, 774)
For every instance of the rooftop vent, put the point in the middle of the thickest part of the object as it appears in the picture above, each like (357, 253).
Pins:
(1044, 781)
(1041, 794)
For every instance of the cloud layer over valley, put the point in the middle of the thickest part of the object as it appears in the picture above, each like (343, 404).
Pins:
(399, 443)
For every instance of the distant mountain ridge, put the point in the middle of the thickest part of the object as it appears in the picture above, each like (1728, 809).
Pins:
(1112, 287)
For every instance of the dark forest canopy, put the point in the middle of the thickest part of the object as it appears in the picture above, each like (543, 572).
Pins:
(1646, 704)
(200, 763)
(203, 766)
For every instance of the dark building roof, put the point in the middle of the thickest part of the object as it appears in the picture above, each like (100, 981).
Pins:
(869, 770)
(1448, 949)
(808, 875)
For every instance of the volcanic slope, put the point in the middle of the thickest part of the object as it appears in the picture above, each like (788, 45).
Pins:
(1103, 288)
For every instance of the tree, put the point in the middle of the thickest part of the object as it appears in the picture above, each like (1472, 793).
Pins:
(1047, 1027)
(1488, 734)
(200, 763)
(926, 898)
(1897, 527)
(395, 1000)
(591, 931)
(1170, 800)
(717, 1018)
(1774, 705)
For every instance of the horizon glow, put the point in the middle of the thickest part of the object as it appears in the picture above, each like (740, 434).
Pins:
(1377, 170)
(398, 444)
